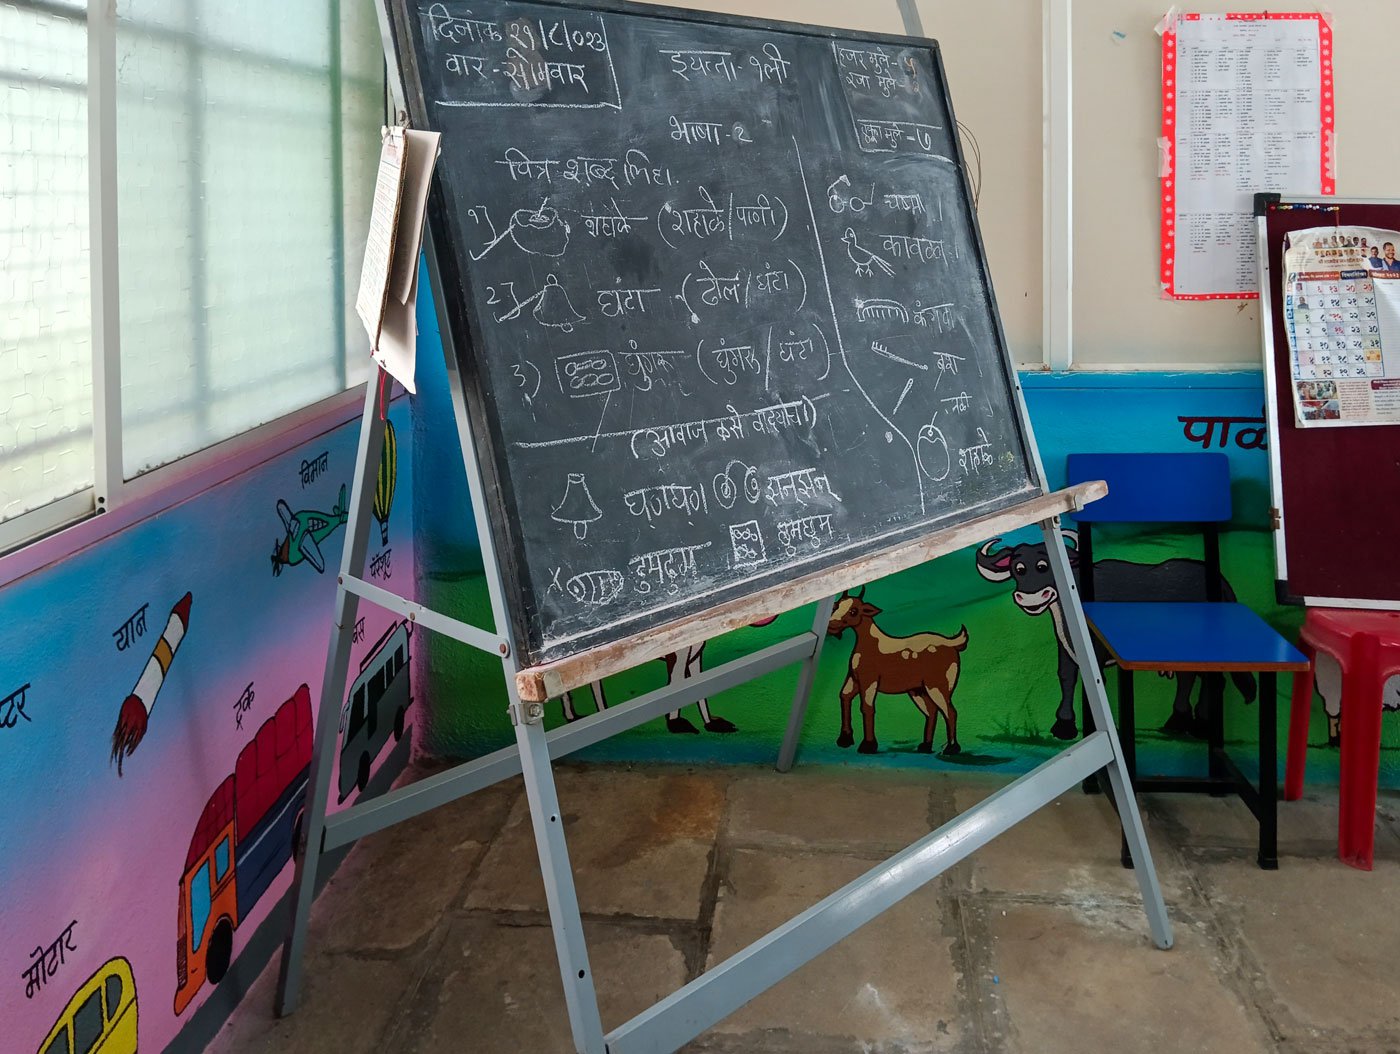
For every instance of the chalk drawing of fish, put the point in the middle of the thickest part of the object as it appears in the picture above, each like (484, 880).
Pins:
(595, 588)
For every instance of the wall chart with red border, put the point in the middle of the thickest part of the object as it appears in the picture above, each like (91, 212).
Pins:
(1247, 105)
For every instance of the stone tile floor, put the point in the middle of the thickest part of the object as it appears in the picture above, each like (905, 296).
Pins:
(433, 935)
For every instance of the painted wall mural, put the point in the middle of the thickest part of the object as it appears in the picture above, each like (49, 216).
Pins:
(1177, 580)
(136, 708)
(1016, 684)
(305, 531)
(101, 1017)
(155, 746)
(924, 666)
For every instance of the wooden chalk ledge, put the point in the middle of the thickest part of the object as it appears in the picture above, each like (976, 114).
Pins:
(538, 683)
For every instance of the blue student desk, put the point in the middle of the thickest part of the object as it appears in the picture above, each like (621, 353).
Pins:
(1173, 638)
(1204, 638)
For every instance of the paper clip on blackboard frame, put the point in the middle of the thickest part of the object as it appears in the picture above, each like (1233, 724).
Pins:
(689, 1011)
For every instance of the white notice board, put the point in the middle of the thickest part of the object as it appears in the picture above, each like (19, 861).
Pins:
(1247, 106)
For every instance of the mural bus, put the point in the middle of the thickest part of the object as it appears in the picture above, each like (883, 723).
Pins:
(249, 829)
(376, 705)
(101, 1016)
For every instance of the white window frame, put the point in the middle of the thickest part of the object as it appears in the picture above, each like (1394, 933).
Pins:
(61, 527)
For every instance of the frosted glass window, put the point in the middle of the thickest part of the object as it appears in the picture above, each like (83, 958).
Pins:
(46, 449)
(247, 140)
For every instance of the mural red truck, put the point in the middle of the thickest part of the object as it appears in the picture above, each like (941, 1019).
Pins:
(248, 831)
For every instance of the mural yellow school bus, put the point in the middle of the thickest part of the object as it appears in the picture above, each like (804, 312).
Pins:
(101, 1016)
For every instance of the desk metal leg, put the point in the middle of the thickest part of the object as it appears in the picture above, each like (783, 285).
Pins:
(1127, 736)
(1214, 684)
(1268, 771)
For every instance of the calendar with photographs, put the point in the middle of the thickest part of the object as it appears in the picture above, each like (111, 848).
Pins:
(1341, 301)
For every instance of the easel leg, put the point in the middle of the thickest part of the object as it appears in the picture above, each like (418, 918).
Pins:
(1127, 738)
(1086, 726)
(805, 677)
(1118, 781)
(332, 692)
(559, 890)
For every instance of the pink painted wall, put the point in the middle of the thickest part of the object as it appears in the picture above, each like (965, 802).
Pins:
(98, 854)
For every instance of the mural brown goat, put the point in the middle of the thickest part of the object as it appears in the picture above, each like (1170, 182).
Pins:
(923, 666)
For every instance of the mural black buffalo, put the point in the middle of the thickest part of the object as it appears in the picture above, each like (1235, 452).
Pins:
(1179, 580)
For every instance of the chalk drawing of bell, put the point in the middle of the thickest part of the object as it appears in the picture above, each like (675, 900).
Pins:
(553, 308)
(577, 507)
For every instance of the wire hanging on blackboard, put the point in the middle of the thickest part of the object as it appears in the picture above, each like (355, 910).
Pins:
(972, 164)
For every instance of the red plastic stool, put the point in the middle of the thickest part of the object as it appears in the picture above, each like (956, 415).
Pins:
(1366, 644)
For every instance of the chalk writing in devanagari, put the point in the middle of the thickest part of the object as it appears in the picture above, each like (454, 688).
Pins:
(665, 568)
(802, 486)
(814, 531)
(456, 30)
(886, 137)
(702, 64)
(653, 502)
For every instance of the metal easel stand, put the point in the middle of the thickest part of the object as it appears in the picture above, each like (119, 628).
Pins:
(708, 999)
(534, 749)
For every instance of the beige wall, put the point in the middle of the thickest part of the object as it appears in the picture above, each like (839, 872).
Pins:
(992, 49)
(1119, 316)
(998, 100)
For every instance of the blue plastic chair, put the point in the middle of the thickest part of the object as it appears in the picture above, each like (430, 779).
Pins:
(1187, 629)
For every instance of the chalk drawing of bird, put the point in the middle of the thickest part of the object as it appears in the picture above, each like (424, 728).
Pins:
(863, 258)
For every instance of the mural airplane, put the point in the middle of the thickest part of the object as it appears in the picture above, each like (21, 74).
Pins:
(306, 530)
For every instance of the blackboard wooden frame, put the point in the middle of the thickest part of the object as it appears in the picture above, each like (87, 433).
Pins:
(1316, 542)
(684, 1014)
(460, 322)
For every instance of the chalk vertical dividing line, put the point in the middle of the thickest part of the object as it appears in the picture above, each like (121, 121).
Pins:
(836, 326)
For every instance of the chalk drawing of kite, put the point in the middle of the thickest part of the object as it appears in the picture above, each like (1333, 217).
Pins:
(136, 709)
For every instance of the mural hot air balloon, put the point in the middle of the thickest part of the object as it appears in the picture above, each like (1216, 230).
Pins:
(388, 476)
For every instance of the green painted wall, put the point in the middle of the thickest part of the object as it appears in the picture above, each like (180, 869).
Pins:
(1008, 690)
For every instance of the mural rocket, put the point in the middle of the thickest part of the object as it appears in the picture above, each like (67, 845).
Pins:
(136, 709)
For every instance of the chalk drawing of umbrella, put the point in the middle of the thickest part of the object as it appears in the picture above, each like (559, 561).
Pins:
(388, 477)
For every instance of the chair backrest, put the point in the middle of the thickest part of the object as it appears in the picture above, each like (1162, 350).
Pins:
(1155, 488)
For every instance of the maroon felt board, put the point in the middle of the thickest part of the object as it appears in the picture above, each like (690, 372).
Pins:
(1338, 489)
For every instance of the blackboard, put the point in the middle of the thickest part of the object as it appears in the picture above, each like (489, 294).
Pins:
(718, 298)
(1338, 488)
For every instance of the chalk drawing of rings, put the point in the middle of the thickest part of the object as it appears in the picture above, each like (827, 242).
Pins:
(726, 488)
